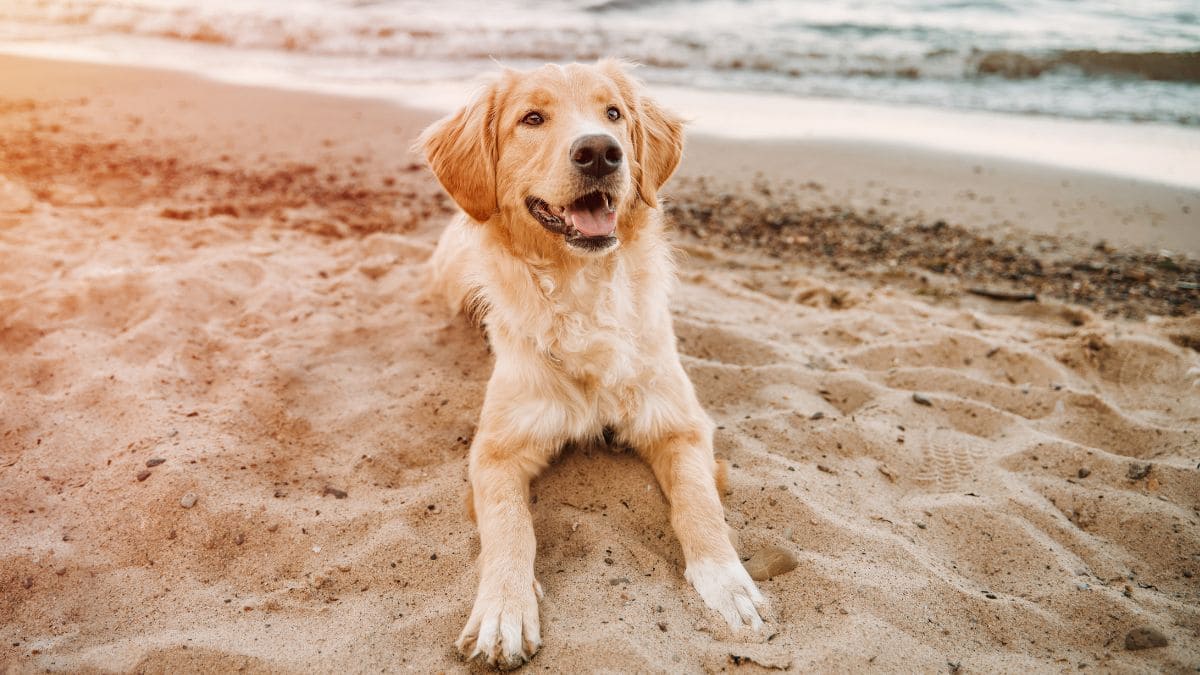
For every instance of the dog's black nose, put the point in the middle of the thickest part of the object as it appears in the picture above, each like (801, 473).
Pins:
(597, 155)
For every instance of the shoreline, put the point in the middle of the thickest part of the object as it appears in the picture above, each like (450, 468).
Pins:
(234, 428)
(901, 173)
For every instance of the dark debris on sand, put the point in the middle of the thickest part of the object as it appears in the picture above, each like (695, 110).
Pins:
(783, 222)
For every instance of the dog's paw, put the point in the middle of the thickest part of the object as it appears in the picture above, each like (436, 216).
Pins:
(504, 630)
(728, 588)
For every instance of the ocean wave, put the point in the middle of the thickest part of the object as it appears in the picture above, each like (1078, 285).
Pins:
(990, 54)
(1157, 66)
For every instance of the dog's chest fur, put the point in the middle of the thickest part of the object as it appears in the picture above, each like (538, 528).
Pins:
(591, 323)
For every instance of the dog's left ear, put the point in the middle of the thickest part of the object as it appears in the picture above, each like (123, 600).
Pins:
(657, 134)
(461, 150)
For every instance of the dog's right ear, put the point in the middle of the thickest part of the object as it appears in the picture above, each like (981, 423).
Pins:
(461, 151)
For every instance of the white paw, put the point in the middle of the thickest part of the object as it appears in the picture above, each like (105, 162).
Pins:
(503, 630)
(728, 588)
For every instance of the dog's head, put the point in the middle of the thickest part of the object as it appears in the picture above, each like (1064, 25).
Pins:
(564, 153)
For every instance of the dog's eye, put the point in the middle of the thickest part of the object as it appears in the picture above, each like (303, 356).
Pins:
(613, 113)
(532, 119)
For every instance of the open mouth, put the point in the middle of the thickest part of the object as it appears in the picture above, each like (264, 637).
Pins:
(589, 222)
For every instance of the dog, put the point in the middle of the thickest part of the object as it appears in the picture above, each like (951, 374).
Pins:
(560, 254)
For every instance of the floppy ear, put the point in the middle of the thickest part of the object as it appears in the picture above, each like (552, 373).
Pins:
(657, 134)
(461, 150)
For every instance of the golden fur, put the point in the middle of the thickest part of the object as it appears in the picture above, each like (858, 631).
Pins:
(582, 338)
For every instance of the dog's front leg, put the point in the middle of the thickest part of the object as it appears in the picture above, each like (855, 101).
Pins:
(503, 629)
(686, 470)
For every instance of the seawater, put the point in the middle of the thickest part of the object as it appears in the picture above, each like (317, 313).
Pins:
(1086, 59)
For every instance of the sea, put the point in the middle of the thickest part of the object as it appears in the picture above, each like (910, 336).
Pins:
(1120, 61)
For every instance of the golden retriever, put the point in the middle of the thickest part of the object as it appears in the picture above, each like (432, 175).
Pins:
(561, 255)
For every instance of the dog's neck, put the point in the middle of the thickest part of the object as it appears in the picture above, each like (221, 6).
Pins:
(566, 282)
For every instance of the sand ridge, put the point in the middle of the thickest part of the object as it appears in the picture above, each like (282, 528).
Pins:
(964, 484)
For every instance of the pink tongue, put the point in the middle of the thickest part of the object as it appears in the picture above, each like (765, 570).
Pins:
(593, 223)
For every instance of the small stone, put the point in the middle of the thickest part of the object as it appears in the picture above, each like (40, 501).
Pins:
(433, 556)
(824, 469)
(189, 500)
(921, 399)
(1187, 574)
(617, 581)
(155, 461)
(143, 475)
(27, 583)
(344, 567)
(817, 416)
(1084, 472)
(272, 527)
(338, 494)
(1138, 470)
(1144, 638)
(434, 508)
(921, 525)
(1082, 587)
(662, 625)
(377, 266)
(608, 561)
(770, 562)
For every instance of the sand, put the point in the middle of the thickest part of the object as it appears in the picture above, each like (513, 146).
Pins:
(229, 280)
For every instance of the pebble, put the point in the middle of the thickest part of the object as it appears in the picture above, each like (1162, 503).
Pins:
(154, 461)
(338, 494)
(921, 399)
(1084, 472)
(770, 562)
(1082, 587)
(1144, 638)
(272, 527)
(189, 500)
(1138, 471)
(662, 625)
(239, 539)
(817, 415)
(143, 475)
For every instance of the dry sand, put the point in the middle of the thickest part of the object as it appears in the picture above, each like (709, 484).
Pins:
(229, 280)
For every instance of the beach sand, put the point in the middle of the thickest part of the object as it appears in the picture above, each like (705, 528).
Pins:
(233, 428)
